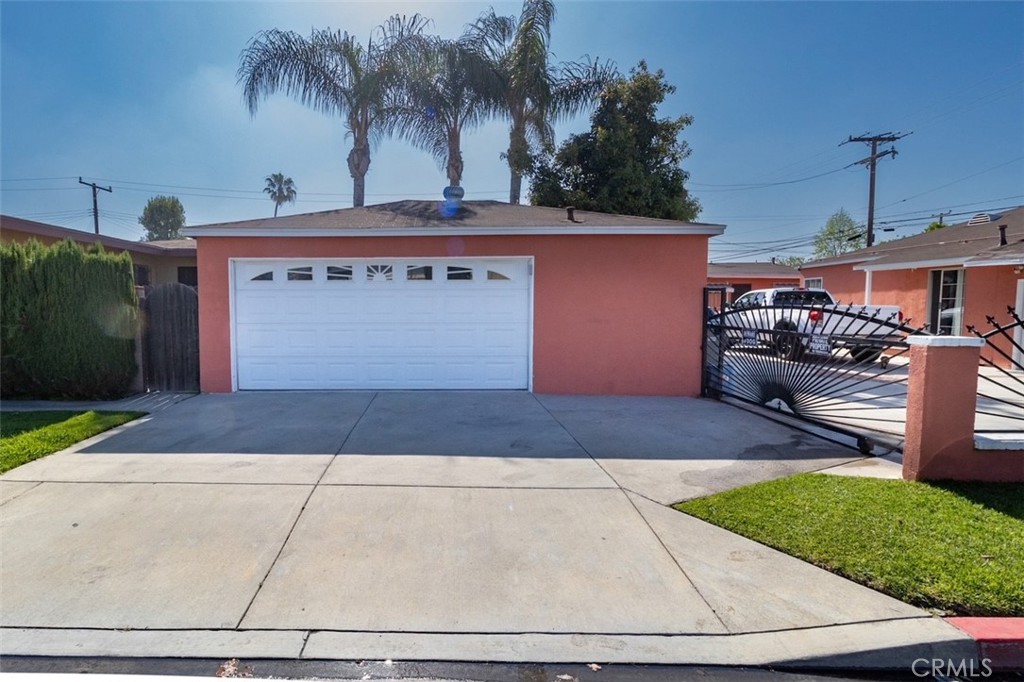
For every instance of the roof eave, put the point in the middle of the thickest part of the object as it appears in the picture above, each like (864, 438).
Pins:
(702, 229)
(1019, 260)
(912, 265)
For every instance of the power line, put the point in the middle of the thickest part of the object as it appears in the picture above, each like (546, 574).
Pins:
(966, 177)
(746, 186)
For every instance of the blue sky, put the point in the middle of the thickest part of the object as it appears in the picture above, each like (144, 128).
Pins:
(142, 96)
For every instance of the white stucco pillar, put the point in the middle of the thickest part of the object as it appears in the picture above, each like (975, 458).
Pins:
(867, 287)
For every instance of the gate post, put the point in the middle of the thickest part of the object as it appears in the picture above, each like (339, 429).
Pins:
(139, 382)
(942, 396)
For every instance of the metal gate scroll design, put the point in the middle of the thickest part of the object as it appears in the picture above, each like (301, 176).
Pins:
(843, 367)
(1001, 376)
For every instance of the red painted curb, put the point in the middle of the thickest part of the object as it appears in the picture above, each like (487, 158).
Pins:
(1000, 640)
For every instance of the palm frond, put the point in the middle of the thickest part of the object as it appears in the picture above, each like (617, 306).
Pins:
(317, 72)
(577, 85)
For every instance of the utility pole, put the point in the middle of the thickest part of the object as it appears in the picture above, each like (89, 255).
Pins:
(95, 203)
(870, 162)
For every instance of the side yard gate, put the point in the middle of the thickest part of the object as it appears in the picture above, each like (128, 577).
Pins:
(170, 338)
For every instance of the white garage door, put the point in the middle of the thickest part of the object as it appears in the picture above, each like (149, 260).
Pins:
(382, 323)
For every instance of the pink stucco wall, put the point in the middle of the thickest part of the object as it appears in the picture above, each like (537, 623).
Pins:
(987, 291)
(613, 314)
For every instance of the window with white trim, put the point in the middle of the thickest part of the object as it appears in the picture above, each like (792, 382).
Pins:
(946, 302)
(814, 283)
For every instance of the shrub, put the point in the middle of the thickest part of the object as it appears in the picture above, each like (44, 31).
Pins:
(67, 322)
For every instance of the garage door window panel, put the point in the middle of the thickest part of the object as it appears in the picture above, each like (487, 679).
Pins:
(458, 273)
(339, 273)
(300, 274)
(379, 273)
(419, 273)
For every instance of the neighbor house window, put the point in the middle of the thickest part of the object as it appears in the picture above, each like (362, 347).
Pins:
(814, 283)
(946, 302)
(141, 275)
(188, 275)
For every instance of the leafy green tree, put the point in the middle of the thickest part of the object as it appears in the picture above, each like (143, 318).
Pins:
(449, 88)
(840, 235)
(935, 225)
(629, 162)
(280, 189)
(791, 261)
(534, 92)
(334, 74)
(163, 217)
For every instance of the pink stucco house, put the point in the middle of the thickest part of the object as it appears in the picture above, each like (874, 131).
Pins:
(417, 294)
(948, 279)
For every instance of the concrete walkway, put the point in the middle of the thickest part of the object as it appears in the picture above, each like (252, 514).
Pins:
(496, 526)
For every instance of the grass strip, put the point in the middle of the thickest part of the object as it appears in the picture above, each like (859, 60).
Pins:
(952, 547)
(26, 436)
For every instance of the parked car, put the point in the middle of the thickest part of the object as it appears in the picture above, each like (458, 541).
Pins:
(795, 320)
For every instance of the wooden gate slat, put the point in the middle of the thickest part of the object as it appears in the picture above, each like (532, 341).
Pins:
(171, 338)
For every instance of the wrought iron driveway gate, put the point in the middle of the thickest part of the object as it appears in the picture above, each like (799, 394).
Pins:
(842, 367)
(1001, 375)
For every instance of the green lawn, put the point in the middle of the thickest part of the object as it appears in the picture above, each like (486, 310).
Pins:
(25, 436)
(956, 548)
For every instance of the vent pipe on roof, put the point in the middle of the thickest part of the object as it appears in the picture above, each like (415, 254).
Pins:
(1002, 235)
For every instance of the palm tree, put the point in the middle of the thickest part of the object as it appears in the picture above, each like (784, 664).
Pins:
(449, 88)
(280, 189)
(534, 93)
(332, 73)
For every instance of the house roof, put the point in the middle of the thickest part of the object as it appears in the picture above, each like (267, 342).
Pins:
(174, 247)
(954, 245)
(752, 270)
(431, 217)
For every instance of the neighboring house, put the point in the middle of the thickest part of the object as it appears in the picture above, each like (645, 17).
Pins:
(155, 263)
(742, 277)
(413, 294)
(947, 279)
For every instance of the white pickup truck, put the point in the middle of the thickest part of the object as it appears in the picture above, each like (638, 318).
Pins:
(793, 321)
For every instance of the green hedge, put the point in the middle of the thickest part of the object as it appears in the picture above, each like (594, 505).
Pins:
(67, 322)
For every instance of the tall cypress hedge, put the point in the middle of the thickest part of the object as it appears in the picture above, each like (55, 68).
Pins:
(67, 322)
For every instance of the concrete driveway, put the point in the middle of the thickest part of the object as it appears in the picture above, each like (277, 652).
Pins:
(428, 525)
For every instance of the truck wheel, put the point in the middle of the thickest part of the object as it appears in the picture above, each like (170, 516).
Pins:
(864, 354)
(787, 343)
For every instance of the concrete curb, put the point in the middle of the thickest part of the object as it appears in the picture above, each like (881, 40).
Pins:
(1000, 640)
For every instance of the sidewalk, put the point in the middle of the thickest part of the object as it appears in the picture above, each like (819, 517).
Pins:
(140, 402)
